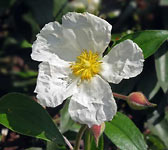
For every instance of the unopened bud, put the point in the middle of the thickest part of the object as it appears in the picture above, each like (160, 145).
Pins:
(97, 131)
(138, 101)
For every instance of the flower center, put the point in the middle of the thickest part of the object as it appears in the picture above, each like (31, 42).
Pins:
(87, 65)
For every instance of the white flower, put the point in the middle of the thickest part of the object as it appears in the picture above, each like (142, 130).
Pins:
(73, 65)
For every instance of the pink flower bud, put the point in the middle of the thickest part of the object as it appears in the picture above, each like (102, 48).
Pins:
(138, 101)
(97, 131)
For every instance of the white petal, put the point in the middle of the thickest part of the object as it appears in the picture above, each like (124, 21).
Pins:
(93, 103)
(54, 84)
(124, 61)
(92, 32)
(53, 39)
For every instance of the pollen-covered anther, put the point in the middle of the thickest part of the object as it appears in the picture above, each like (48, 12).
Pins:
(87, 65)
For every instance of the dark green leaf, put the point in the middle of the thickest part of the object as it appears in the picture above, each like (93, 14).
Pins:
(148, 76)
(60, 8)
(28, 17)
(42, 10)
(54, 146)
(124, 134)
(23, 115)
(149, 40)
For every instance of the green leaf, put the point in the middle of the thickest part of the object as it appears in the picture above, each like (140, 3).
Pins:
(148, 76)
(149, 41)
(42, 10)
(60, 8)
(28, 17)
(23, 115)
(124, 134)
(54, 146)
(66, 123)
(161, 63)
(25, 44)
(154, 91)
(155, 142)
(26, 74)
(24, 83)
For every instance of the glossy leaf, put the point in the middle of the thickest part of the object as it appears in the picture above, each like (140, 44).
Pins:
(23, 115)
(149, 40)
(124, 134)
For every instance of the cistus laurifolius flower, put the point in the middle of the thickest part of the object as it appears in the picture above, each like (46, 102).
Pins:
(73, 66)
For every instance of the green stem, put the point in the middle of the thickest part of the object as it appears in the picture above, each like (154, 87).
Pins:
(120, 96)
(87, 140)
(79, 137)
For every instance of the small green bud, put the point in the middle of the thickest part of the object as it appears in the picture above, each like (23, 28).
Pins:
(138, 101)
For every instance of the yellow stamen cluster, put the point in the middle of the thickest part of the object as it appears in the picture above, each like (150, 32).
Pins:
(87, 65)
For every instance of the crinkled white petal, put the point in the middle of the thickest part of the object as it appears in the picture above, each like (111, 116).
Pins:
(79, 32)
(56, 40)
(54, 84)
(92, 32)
(93, 103)
(124, 61)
